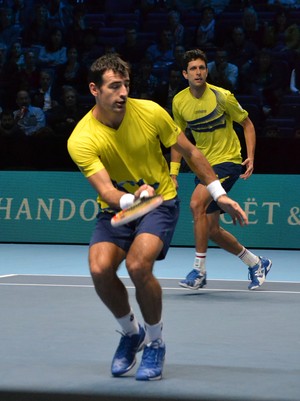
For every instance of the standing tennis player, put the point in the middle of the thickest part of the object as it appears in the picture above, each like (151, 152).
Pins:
(209, 112)
(116, 146)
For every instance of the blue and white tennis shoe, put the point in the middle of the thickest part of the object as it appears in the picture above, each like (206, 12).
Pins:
(194, 280)
(124, 358)
(152, 361)
(258, 273)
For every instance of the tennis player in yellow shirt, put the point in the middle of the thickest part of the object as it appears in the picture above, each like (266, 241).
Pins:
(116, 146)
(209, 112)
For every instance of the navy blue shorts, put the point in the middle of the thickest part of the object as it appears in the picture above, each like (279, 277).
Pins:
(160, 222)
(228, 173)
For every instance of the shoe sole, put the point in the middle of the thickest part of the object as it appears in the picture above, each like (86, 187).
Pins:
(149, 379)
(203, 284)
(267, 269)
(126, 371)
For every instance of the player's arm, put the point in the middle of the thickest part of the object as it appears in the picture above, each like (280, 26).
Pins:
(200, 166)
(250, 140)
(116, 199)
(175, 164)
(194, 158)
(176, 156)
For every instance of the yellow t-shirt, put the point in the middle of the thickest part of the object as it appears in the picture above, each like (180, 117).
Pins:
(210, 119)
(131, 154)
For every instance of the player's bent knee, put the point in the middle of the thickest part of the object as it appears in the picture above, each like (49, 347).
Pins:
(197, 207)
(99, 269)
(138, 271)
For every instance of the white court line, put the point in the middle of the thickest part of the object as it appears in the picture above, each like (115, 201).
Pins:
(47, 285)
(163, 288)
(159, 278)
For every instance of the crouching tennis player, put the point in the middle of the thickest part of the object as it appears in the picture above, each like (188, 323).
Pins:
(117, 147)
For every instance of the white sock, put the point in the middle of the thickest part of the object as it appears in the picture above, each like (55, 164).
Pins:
(154, 331)
(129, 323)
(248, 257)
(199, 263)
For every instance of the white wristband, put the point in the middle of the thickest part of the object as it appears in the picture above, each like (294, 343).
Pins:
(216, 190)
(126, 200)
(144, 194)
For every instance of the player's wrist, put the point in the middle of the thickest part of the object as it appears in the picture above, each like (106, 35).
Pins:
(216, 190)
(174, 168)
(126, 201)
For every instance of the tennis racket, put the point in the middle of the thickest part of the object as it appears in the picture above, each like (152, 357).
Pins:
(139, 208)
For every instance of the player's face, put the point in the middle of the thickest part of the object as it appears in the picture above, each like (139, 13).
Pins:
(196, 73)
(113, 93)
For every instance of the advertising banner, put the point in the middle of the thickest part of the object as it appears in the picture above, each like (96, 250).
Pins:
(60, 207)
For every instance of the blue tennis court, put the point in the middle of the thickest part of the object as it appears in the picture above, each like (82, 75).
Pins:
(224, 342)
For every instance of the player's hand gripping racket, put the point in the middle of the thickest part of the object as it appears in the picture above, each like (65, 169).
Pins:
(138, 209)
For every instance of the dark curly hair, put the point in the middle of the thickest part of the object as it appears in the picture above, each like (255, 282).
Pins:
(104, 63)
(192, 55)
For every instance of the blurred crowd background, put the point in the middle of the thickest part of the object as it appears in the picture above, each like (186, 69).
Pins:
(46, 48)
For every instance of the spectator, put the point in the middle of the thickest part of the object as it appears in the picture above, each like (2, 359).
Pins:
(179, 51)
(164, 97)
(45, 97)
(60, 13)
(30, 73)
(16, 56)
(206, 30)
(264, 79)
(9, 31)
(289, 49)
(132, 48)
(54, 52)
(145, 83)
(11, 73)
(8, 126)
(268, 40)
(90, 48)
(14, 148)
(37, 31)
(292, 38)
(22, 11)
(30, 119)
(169, 89)
(73, 73)
(176, 27)
(161, 54)
(280, 23)
(64, 117)
(222, 73)
(240, 50)
(76, 30)
(251, 25)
